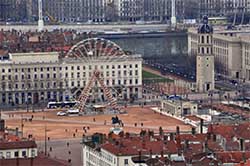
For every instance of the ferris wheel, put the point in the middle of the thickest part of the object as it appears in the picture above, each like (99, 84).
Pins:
(96, 50)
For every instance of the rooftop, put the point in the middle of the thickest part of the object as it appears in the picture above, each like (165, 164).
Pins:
(17, 145)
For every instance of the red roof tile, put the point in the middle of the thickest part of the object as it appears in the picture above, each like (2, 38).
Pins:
(17, 145)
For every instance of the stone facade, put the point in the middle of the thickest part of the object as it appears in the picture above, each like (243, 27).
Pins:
(39, 77)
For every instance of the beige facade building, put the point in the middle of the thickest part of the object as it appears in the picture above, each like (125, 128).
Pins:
(20, 149)
(179, 108)
(230, 49)
(41, 77)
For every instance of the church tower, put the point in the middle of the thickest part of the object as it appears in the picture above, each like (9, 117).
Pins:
(205, 58)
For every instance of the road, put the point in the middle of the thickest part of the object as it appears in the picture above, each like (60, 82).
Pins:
(59, 149)
(97, 27)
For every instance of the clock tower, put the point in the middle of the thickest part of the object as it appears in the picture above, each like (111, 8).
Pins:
(205, 58)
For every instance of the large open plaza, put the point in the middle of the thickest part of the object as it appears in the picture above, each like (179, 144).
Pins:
(60, 127)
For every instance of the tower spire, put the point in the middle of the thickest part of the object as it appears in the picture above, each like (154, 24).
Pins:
(40, 15)
(173, 16)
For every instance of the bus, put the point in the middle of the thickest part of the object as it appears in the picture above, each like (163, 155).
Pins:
(53, 105)
(64, 104)
(69, 104)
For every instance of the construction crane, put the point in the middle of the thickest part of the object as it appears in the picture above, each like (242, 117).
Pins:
(86, 92)
(51, 18)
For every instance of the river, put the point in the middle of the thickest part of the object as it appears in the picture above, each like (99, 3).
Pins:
(168, 53)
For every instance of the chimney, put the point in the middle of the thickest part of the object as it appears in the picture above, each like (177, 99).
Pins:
(214, 137)
(162, 154)
(208, 135)
(140, 157)
(186, 144)
(127, 135)
(242, 144)
(150, 153)
(193, 131)
(177, 130)
(205, 146)
(2, 125)
(16, 132)
(143, 144)
(201, 126)
(171, 136)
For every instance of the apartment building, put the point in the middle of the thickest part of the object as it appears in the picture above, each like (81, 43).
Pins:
(39, 77)
(230, 49)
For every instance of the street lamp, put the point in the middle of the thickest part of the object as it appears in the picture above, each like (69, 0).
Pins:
(27, 103)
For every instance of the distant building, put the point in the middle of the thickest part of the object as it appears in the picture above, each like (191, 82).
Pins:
(16, 150)
(230, 49)
(221, 145)
(205, 75)
(179, 108)
(39, 77)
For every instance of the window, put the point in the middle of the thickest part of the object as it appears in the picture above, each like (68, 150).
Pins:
(16, 154)
(54, 68)
(72, 67)
(1, 155)
(41, 75)
(47, 68)
(130, 66)
(54, 75)
(78, 67)
(136, 65)
(9, 70)
(136, 72)
(35, 69)
(47, 75)
(23, 153)
(41, 69)
(8, 155)
(3, 70)
(33, 153)
(28, 69)
(126, 161)
(136, 81)
(113, 66)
